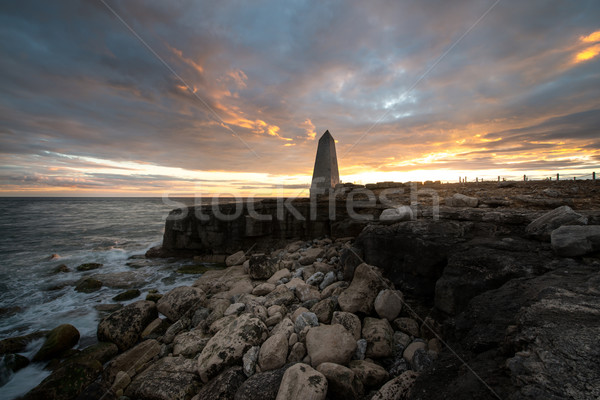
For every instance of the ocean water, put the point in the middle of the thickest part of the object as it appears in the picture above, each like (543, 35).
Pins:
(79, 230)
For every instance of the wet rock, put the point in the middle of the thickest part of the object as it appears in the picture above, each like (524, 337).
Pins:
(379, 336)
(363, 290)
(60, 339)
(543, 226)
(14, 362)
(127, 295)
(124, 280)
(175, 303)
(302, 382)
(88, 266)
(155, 297)
(224, 386)
(170, 378)
(370, 374)
(62, 268)
(398, 388)
(330, 343)
(236, 259)
(250, 359)
(273, 352)
(123, 327)
(88, 285)
(262, 266)
(18, 344)
(341, 381)
(133, 360)
(388, 304)
(349, 321)
(575, 241)
(229, 345)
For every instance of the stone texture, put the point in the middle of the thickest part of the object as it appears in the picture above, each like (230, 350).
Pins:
(341, 381)
(235, 259)
(388, 304)
(175, 303)
(250, 359)
(305, 319)
(370, 374)
(170, 378)
(574, 241)
(188, 344)
(229, 345)
(543, 226)
(273, 352)
(407, 325)
(460, 200)
(302, 382)
(262, 266)
(379, 336)
(263, 289)
(349, 321)
(398, 388)
(280, 296)
(123, 327)
(401, 213)
(410, 350)
(330, 343)
(365, 286)
(261, 386)
(224, 386)
(133, 360)
(324, 310)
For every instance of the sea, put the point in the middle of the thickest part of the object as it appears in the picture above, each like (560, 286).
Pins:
(39, 234)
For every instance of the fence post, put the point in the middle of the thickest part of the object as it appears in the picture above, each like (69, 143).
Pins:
(524, 178)
(593, 176)
(557, 177)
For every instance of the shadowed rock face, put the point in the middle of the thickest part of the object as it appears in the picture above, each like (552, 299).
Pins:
(325, 174)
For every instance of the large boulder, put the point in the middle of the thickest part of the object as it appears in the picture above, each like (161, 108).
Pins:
(175, 303)
(188, 344)
(370, 374)
(236, 259)
(132, 361)
(379, 336)
(398, 388)
(575, 241)
(262, 266)
(170, 378)
(124, 326)
(360, 296)
(262, 386)
(349, 321)
(273, 352)
(60, 339)
(330, 343)
(543, 226)
(301, 382)
(228, 346)
(397, 214)
(388, 304)
(460, 200)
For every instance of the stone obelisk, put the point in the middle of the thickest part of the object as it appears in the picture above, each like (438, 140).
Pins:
(325, 174)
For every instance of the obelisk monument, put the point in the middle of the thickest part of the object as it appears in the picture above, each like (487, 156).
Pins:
(325, 174)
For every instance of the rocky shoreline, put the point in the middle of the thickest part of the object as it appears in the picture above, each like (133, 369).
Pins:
(479, 302)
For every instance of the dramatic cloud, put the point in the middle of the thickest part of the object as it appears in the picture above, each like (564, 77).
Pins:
(115, 96)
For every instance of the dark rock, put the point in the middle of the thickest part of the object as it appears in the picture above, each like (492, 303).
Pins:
(127, 295)
(88, 285)
(18, 344)
(108, 308)
(88, 266)
(60, 339)
(175, 303)
(133, 360)
(362, 292)
(61, 268)
(575, 241)
(14, 362)
(543, 226)
(170, 378)
(421, 360)
(155, 297)
(261, 266)
(123, 327)
(224, 386)
(262, 386)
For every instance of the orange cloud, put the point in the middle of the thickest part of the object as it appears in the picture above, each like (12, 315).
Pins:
(588, 53)
(186, 60)
(309, 128)
(591, 38)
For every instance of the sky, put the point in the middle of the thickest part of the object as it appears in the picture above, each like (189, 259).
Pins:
(155, 98)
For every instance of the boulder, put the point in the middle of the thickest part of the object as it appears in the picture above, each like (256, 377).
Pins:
(280, 296)
(388, 304)
(315, 279)
(285, 327)
(133, 360)
(88, 266)
(263, 289)
(301, 382)
(329, 278)
(349, 321)
(398, 388)
(330, 343)
(124, 326)
(250, 359)
(460, 200)
(88, 285)
(408, 326)
(324, 310)
(305, 319)
(188, 344)
(575, 241)
(297, 352)
(229, 345)
(311, 255)
(379, 336)
(262, 266)
(60, 339)
(365, 286)
(170, 378)
(127, 295)
(236, 259)
(410, 350)
(175, 303)
(370, 374)
(397, 214)
(306, 292)
(224, 386)
(341, 381)
(543, 226)
(261, 386)
(273, 352)
(279, 275)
